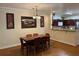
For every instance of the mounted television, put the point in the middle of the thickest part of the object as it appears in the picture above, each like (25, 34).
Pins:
(60, 23)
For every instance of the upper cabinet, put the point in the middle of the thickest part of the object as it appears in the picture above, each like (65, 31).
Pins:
(69, 22)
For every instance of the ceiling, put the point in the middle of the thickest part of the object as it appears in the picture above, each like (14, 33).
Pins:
(41, 6)
(59, 8)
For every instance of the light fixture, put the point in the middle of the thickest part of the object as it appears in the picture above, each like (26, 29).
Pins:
(68, 13)
(53, 13)
(36, 16)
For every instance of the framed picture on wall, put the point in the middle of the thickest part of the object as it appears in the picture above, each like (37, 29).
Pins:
(42, 21)
(10, 20)
(28, 22)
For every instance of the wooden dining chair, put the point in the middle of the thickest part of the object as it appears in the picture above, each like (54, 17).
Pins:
(35, 34)
(23, 45)
(47, 34)
(30, 43)
(38, 44)
(47, 38)
(43, 42)
(29, 35)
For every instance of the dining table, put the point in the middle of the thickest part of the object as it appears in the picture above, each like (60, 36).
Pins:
(32, 39)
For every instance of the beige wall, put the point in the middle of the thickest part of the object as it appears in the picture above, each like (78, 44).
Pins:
(77, 37)
(10, 37)
(64, 37)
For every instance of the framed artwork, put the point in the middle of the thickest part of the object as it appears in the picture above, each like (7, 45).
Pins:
(42, 21)
(28, 22)
(10, 20)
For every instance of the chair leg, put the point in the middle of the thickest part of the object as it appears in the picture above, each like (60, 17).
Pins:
(30, 50)
(43, 46)
(49, 44)
(27, 52)
(34, 51)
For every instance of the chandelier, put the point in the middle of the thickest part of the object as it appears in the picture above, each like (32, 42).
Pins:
(36, 16)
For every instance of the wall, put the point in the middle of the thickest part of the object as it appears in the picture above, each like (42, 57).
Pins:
(10, 37)
(64, 37)
(77, 37)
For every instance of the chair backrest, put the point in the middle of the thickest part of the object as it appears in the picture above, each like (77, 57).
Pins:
(47, 37)
(35, 34)
(37, 41)
(21, 40)
(29, 35)
(47, 34)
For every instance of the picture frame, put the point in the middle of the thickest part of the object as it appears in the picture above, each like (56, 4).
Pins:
(28, 22)
(10, 20)
(42, 21)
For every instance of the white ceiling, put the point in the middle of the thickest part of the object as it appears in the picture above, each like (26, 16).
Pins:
(41, 6)
(60, 8)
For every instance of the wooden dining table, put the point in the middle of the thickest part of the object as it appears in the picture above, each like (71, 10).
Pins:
(31, 38)
(28, 39)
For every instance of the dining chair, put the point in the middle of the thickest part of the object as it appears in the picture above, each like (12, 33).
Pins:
(47, 34)
(23, 45)
(38, 44)
(29, 35)
(30, 43)
(47, 38)
(43, 42)
(26, 44)
(35, 34)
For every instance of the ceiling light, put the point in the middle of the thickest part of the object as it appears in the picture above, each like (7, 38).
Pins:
(36, 16)
(68, 13)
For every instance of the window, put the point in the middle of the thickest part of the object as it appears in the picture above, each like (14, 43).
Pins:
(60, 23)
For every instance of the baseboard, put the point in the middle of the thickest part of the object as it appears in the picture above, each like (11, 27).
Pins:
(19, 44)
(66, 43)
(9, 46)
